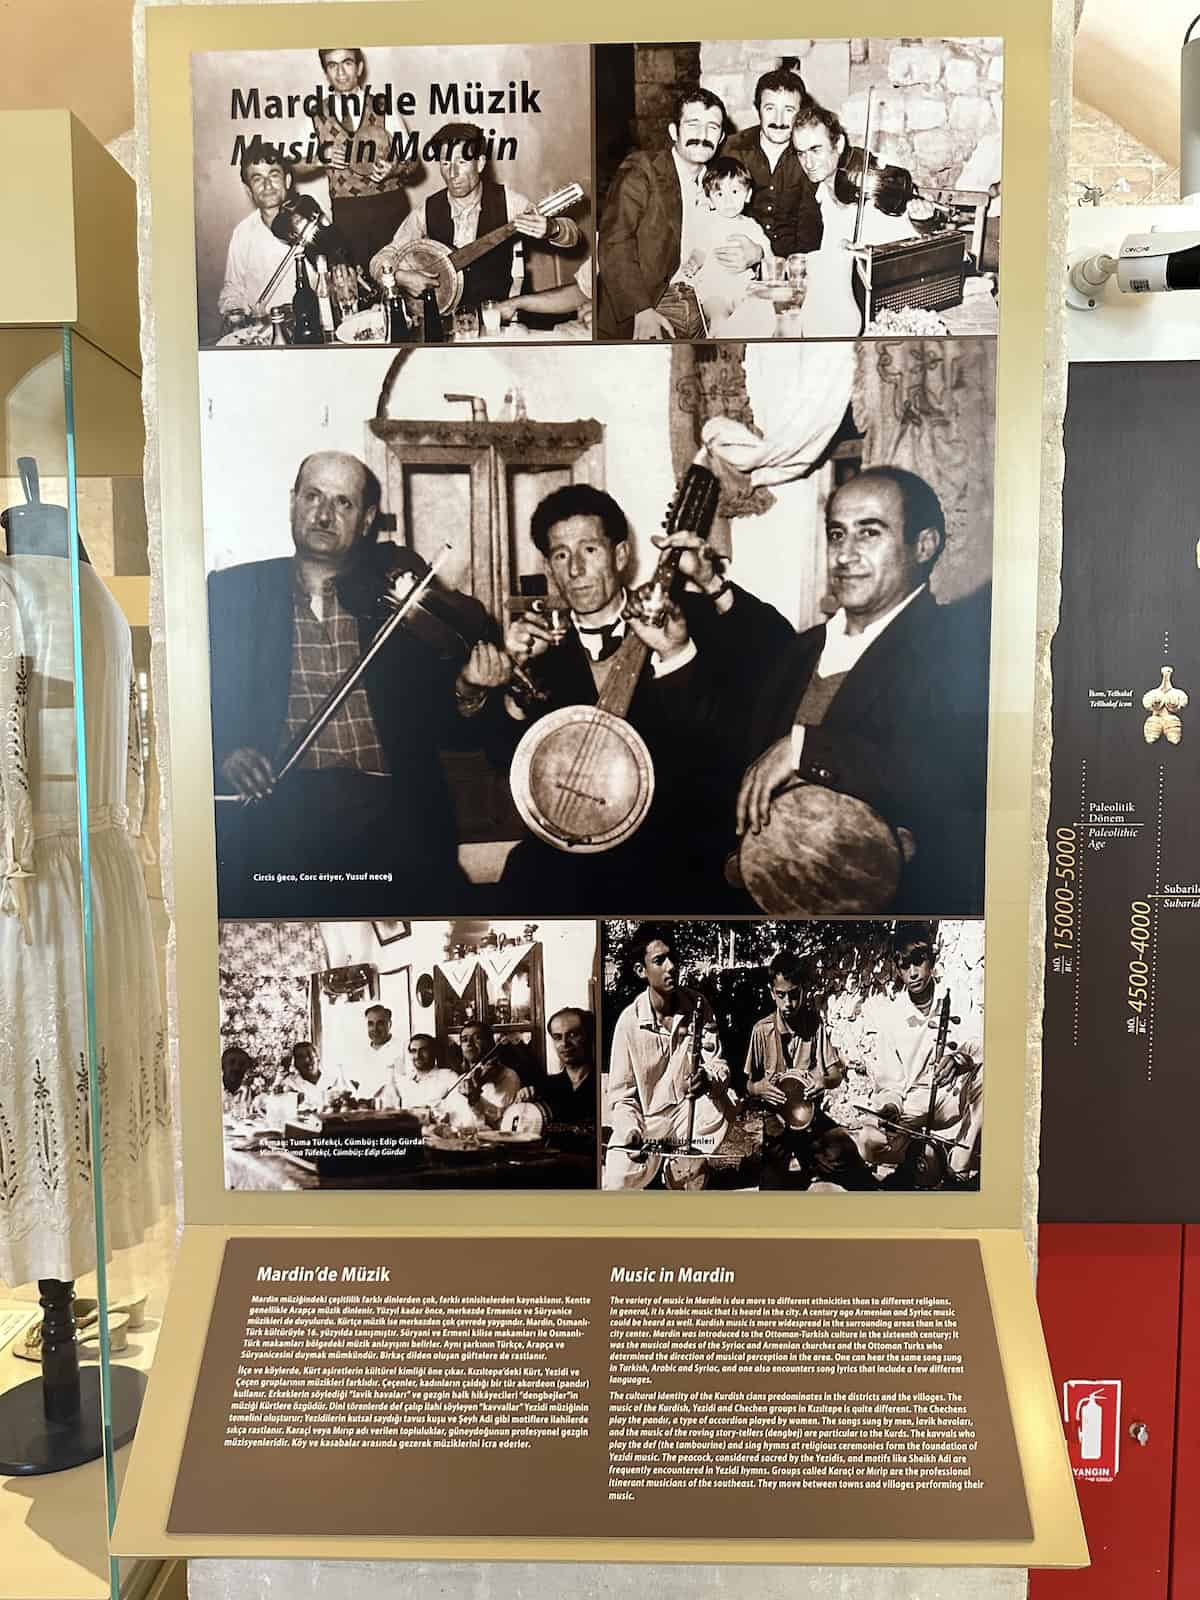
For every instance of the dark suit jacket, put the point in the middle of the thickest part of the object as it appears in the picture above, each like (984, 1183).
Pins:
(907, 733)
(640, 230)
(784, 203)
(410, 689)
(676, 857)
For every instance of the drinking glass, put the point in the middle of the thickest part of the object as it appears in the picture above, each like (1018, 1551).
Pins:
(466, 325)
(490, 312)
(344, 284)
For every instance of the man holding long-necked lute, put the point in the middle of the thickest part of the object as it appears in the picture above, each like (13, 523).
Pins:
(625, 803)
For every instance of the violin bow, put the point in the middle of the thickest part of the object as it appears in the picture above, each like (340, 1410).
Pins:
(862, 176)
(339, 694)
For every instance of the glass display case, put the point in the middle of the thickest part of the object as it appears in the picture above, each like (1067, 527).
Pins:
(87, 1144)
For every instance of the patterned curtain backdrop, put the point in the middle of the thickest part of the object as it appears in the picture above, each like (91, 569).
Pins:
(930, 405)
(265, 970)
(709, 380)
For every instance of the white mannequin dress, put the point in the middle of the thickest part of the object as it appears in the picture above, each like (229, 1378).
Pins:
(46, 1188)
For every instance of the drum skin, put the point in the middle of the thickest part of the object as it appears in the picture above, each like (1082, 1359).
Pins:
(582, 779)
(821, 853)
(528, 1120)
(431, 255)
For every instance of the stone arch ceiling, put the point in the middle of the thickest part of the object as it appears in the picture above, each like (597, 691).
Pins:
(1129, 70)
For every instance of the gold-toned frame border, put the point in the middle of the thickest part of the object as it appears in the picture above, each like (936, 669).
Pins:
(173, 33)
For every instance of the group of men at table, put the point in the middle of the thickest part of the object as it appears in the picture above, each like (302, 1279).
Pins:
(414, 1076)
(372, 219)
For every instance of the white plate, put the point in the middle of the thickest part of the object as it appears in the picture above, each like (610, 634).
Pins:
(362, 327)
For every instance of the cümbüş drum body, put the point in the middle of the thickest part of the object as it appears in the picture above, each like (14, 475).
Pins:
(582, 779)
(432, 256)
(821, 853)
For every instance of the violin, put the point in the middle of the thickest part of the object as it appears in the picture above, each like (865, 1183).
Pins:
(862, 177)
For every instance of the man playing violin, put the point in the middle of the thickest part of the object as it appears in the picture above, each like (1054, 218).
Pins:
(657, 1093)
(470, 205)
(886, 701)
(717, 635)
(790, 1064)
(913, 1088)
(366, 815)
(823, 149)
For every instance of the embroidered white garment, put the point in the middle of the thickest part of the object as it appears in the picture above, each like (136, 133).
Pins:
(46, 1187)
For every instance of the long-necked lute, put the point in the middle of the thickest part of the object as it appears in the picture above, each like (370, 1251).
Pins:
(447, 265)
(582, 777)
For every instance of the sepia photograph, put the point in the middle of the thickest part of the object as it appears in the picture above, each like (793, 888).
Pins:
(826, 1056)
(457, 1054)
(358, 196)
(803, 188)
(704, 631)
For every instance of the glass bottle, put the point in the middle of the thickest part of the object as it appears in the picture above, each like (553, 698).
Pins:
(389, 1097)
(278, 331)
(306, 313)
(326, 309)
(433, 331)
(398, 327)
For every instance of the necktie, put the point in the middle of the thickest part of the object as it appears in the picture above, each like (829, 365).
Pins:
(600, 643)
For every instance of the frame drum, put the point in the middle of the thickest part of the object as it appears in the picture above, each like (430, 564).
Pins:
(431, 255)
(821, 854)
(582, 779)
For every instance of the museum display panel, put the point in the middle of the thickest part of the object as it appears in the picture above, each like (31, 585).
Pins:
(87, 1122)
(539, 874)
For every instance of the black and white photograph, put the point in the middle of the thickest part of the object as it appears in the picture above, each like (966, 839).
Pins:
(458, 1054)
(705, 631)
(803, 188)
(427, 194)
(831, 1057)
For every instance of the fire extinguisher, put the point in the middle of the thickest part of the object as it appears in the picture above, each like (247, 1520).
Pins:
(1089, 1418)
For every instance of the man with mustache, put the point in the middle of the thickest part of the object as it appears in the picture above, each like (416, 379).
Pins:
(647, 222)
(785, 199)
(887, 701)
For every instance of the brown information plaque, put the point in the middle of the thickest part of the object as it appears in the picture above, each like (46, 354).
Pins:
(598, 1387)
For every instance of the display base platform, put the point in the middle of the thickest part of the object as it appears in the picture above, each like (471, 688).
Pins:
(31, 1446)
(208, 1346)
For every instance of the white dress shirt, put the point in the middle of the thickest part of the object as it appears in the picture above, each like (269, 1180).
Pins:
(845, 650)
(253, 255)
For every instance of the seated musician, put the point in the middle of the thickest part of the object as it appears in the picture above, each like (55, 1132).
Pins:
(887, 701)
(255, 252)
(790, 1064)
(499, 1071)
(830, 309)
(370, 795)
(423, 1083)
(569, 1094)
(470, 205)
(665, 1113)
(719, 633)
(913, 1089)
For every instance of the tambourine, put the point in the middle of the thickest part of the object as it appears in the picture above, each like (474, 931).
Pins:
(821, 853)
